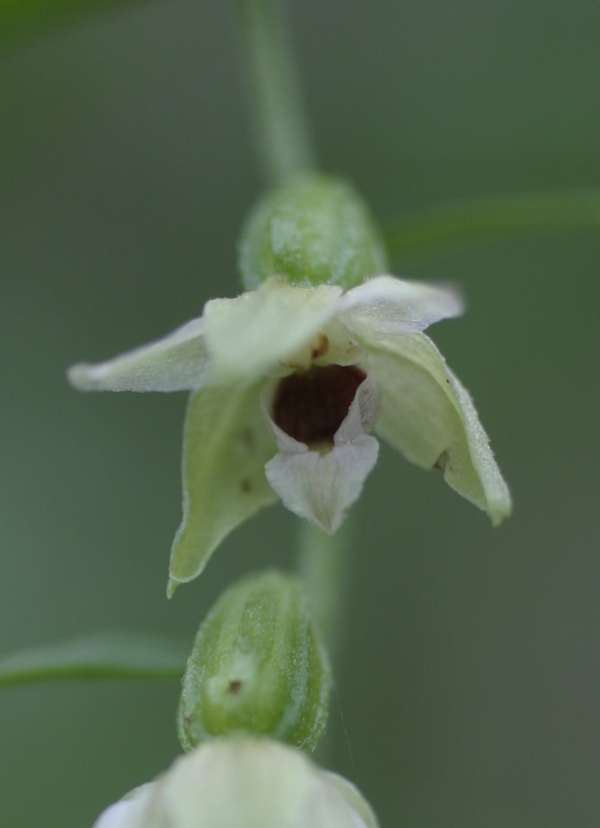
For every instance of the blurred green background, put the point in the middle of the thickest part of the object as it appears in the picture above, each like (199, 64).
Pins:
(469, 695)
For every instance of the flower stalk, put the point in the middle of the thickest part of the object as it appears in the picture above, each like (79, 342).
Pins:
(276, 107)
(323, 563)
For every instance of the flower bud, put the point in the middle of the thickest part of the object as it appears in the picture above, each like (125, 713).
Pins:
(256, 667)
(313, 231)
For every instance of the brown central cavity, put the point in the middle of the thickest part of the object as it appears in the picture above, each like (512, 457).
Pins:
(311, 405)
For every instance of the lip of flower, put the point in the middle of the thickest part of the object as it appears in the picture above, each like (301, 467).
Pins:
(257, 783)
(322, 368)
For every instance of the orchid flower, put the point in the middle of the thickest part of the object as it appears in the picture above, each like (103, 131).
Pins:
(288, 383)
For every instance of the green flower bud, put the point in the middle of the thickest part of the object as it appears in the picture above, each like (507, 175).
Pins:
(256, 667)
(312, 231)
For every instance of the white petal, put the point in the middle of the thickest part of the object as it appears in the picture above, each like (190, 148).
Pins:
(363, 811)
(429, 417)
(175, 363)
(253, 333)
(362, 414)
(321, 487)
(225, 448)
(243, 783)
(127, 812)
(386, 307)
(119, 815)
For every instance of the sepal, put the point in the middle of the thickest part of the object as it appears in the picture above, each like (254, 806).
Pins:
(429, 416)
(177, 362)
(225, 447)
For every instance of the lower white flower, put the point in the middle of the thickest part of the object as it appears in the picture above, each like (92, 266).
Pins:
(242, 783)
(289, 382)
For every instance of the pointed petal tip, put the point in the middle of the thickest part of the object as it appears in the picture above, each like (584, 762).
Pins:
(175, 581)
(327, 523)
(499, 512)
(456, 303)
(330, 528)
(427, 414)
(172, 585)
(81, 377)
(386, 306)
(177, 362)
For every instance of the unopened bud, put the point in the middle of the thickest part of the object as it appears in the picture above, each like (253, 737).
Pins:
(313, 231)
(257, 667)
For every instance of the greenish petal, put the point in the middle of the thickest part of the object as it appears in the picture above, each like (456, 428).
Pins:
(254, 332)
(177, 362)
(386, 306)
(429, 417)
(225, 447)
(354, 799)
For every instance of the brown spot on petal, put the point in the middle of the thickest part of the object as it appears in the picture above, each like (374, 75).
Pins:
(321, 346)
(441, 462)
(311, 405)
(246, 436)
(234, 687)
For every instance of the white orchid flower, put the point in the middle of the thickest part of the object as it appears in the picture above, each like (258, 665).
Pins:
(288, 383)
(242, 783)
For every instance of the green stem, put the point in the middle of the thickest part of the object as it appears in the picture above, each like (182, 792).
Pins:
(476, 220)
(282, 133)
(324, 564)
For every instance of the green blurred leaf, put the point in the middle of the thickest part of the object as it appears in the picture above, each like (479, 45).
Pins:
(430, 232)
(22, 19)
(97, 657)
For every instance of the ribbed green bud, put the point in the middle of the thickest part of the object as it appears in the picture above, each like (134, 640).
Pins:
(256, 667)
(313, 231)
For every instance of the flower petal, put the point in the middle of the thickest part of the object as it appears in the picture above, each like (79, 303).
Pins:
(127, 812)
(253, 784)
(252, 333)
(354, 799)
(175, 363)
(386, 307)
(430, 418)
(225, 448)
(321, 487)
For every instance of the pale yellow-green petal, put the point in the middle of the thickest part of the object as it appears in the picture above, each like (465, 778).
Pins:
(429, 416)
(177, 362)
(248, 783)
(254, 332)
(354, 799)
(128, 812)
(225, 447)
(386, 307)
